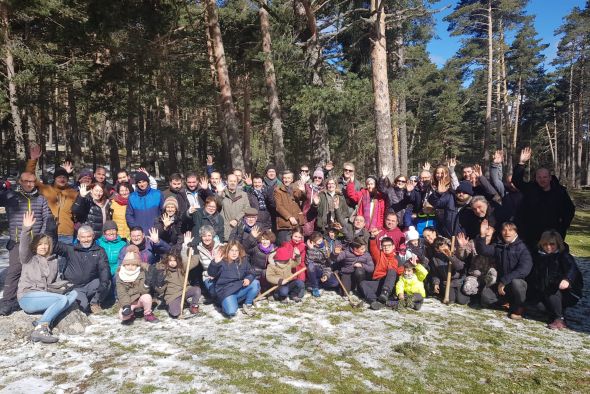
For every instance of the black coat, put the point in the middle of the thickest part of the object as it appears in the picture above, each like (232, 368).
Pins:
(86, 211)
(550, 269)
(396, 199)
(200, 218)
(265, 219)
(173, 234)
(541, 210)
(513, 261)
(439, 266)
(470, 222)
(228, 277)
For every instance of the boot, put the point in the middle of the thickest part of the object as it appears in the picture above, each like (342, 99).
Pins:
(376, 305)
(517, 314)
(557, 324)
(42, 334)
(384, 295)
(7, 307)
(151, 318)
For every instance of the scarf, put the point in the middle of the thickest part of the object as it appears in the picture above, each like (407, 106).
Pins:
(268, 250)
(127, 275)
(32, 193)
(121, 200)
(260, 197)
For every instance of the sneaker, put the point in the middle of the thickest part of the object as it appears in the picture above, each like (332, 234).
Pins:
(384, 296)
(490, 277)
(296, 299)
(517, 314)
(95, 309)
(42, 334)
(248, 309)
(194, 309)
(557, 324)
(151, 318)
(376, 305)
(129, 321)
(315, 292)
(285, 301)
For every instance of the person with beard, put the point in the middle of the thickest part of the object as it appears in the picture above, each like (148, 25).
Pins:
(289, 214)
(59, 195)
(390, 230)
(259, 196)
(545, 205)
(26, 198)
(150, 248)
(209, 215)
(451, 207)
(123, 177)
(145, 204)
(87, 268)
(234, 203)
(100, 177)
(371, 203)
(119, 202)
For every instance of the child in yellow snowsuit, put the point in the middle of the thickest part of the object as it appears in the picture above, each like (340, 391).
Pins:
(410, 286)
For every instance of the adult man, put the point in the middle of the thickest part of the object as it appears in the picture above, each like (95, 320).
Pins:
(87, 267)
(123, 177)
(145, 204)
(233, 205)
(247, 230)
(150, 248)
(271, 182)
(348, 176)
(390, 230)
(289, 214)
(100, 176)
(546, 204)
(60, 196)
(480, 210)
(453, 207)
(25, 198)
(260, 198)
(190, 197)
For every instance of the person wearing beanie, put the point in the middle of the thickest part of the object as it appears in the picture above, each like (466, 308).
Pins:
(319, 265)
(410, 289)
(312, 192)
(169, 224)
(279, 268)
(451, 207)
(145, 204)
(60, 195)
(112, 244)
(132, 290)
(84, 177)
(415, 246)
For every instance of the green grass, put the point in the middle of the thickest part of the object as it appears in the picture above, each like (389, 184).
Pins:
(578, 236)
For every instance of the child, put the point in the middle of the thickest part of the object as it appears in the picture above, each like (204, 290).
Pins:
(354, 264)
(387, 268)
(410, 286)
(280, 265)
(112, 244)
(259, 254)
(439, 265)
(132, 289)
(319, 265)
(171, 282)
(233, 279)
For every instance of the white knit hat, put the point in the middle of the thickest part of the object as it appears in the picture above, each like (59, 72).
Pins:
(411, 234)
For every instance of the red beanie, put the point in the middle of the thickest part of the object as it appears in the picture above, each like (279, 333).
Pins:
(283, 254)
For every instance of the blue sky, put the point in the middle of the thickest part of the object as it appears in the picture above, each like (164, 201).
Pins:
(548, 17)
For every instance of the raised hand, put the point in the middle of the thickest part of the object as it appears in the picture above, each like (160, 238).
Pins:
(220, 187)
(154, 237)
(374, 232)
(209, 160)
(414, 260)
(166, 220)
(410, 185)
(34, 151)
(462, 240)
(484, 227)
(337, 226)
(68, 166)
(142, 169)
(304, 178)
(29, 219)
(310, 244)
(248, 179)
(84, 190)
(329, 166)
(217, 254)
(204, 183)
(525, 155)
(256, 231)
(426, 166)
(452, 162)
(477, 170)
(498, 157)
(188, 237)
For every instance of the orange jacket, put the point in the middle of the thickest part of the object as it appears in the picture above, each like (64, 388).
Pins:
(383, 262)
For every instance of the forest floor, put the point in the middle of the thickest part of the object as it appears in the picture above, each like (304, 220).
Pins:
(320, 345)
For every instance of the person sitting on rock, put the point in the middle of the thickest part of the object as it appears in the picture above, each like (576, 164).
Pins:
(39, 274)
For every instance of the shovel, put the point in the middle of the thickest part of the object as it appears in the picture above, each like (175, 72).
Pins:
(353, 300)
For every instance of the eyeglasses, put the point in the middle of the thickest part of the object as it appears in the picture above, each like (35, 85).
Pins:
(401, 181)
(348, 170)
(317, 177)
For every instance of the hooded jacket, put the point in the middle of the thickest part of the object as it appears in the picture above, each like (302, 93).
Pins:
(513, 261)
(143, 208)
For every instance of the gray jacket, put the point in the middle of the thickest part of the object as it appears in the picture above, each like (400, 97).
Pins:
(37, 271)
(17, 203)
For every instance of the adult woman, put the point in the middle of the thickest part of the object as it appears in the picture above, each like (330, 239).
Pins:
(556, 279)
(371, 204)
(92, 207)
(208, 215)
(169, 225)
(312, 199)
(234, 279)
(395, 194)
(331, 204)
(39, 272)
(119, 206)
(209, 241)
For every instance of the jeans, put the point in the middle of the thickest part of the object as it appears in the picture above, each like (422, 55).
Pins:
(51, 304)
(210, 287)
(229, 305)
(291, 289)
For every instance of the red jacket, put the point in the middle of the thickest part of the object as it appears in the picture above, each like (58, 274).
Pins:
(383, 262)
(363, 199)
(301, 246)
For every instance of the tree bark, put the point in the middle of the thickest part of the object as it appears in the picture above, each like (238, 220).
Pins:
(513, 142)
(274, 107)
(490, 87)
(17, 123)
(395, 135)
(401, 109)
(572, 117)
(382, 105)
(74, 131)
(247, 125)
(230, 118)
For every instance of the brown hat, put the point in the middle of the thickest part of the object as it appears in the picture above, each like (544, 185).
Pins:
(250, 212)
(171, 201)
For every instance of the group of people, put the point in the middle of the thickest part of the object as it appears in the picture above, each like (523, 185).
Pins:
(499, 241)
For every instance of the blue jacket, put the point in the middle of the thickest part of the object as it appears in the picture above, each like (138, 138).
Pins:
(228, 277)
(143, 208)
(112, 248)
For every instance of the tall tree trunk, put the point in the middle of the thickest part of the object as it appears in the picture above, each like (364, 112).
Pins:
(17, 123)
(229, 111)
(247, 124)
(490, 87)
(401, 111)
(572, 129)
(395, 135)
(74, 131)
(130, 135)
(141, 122)
(514, 140)
(579, 137)
(274, 107)
(318, 126)
(382, 105)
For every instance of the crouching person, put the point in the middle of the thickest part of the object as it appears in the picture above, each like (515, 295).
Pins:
(233, 279)
(132, 289)
(38, 274)
(387, 268)
(513, 263)
(439, 268)
(170, 280)
(410, 289)
(319, 264)
(280, 267)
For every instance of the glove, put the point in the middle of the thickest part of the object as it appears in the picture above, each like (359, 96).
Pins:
(280, 282)
(126, 311)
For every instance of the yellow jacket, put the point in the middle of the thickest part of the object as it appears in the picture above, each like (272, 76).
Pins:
(118, 215)
(414, 285)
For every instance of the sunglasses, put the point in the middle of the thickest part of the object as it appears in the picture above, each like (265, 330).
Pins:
(348, 170)
(317, 177)
(401, 181)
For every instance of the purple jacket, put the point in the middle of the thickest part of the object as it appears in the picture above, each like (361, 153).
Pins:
(346, 259)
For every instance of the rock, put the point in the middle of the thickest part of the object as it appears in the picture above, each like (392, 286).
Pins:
(72, 321)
